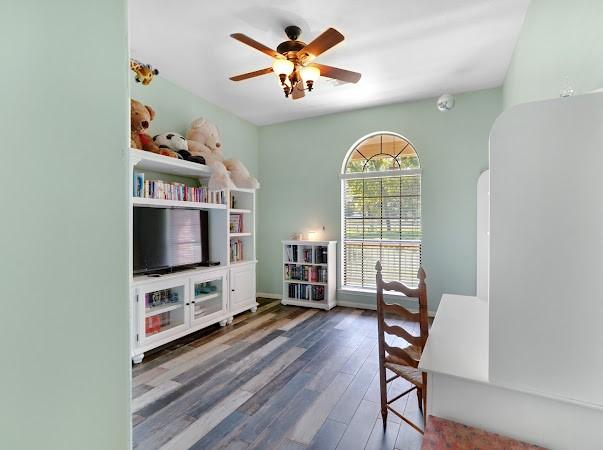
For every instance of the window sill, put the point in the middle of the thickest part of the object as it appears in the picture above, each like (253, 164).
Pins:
(370, 292)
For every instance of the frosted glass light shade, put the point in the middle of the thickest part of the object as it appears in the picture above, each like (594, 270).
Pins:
(310, 73)
(282, 67)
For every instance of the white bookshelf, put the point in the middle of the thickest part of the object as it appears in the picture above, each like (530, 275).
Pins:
(309, 273)
(233, 283)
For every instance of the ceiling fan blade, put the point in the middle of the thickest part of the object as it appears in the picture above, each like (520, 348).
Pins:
(255, 44)
(255, 73)
(298, 93)
(338, 74)
(322, 43)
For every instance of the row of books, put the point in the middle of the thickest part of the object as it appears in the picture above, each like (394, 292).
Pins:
(236, 250)
(155, 324)
(306, 292)
(236, 223)
(306, 273)
(321, 255)
(316, 255)
(163, 190)
(291, 253)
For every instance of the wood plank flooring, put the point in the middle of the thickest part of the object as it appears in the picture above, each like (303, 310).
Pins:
(281, 378)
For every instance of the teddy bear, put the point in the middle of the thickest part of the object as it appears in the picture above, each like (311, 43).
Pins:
(203, 139)
(140, 120)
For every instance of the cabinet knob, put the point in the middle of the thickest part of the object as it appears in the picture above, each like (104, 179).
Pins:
(187, 304)
(232, 290)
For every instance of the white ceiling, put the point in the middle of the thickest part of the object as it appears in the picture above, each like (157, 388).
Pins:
(405, 49)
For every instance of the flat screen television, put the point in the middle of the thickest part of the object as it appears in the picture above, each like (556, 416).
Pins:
(166, 240)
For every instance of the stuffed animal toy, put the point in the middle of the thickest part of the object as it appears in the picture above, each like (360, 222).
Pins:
(144, 72)
(204, 140)
(176, 142)
(140, 120)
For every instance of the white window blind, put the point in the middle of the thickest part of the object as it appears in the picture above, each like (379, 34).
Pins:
(381, 214)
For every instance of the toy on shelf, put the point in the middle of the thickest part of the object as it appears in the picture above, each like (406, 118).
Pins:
(140, 120)
(144, 72)
(203, 139)
(177, 142)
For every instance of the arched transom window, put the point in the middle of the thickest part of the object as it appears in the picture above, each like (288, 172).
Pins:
(381, 211)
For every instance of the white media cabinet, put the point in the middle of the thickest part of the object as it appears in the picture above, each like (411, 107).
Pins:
(309, 273)
(170, 306)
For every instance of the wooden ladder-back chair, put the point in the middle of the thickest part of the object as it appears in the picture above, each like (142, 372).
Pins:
(403, 362)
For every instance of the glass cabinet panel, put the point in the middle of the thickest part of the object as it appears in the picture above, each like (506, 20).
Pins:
(164, 309)
(208, 298)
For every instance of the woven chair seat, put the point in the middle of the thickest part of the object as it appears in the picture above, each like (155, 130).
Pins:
(405, 371)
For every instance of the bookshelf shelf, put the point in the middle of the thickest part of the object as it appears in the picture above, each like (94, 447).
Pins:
(239, 211)
(153, 311)
(311, 260)
(308, 303)
(234, 235)
(159, 203)
(143, 160)
(306, 264)
(313, 283)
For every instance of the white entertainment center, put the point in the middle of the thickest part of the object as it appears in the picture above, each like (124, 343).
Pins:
(169, 306)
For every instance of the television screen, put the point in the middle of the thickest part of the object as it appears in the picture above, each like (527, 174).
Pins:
(168, 239)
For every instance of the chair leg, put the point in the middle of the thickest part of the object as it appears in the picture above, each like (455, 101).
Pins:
(420, 399)
(383, 389)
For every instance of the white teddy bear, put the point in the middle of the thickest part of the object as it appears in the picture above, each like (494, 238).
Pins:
(203, 139)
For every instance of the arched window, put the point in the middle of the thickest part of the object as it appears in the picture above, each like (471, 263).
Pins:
(381, 211)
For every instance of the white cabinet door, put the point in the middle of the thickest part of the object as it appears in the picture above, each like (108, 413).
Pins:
(208, 298)
(242, 287)
(162, 311)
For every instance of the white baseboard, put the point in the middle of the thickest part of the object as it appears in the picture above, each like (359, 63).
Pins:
(372, 307)
(344, 303)
(358, 305)
(268, 295)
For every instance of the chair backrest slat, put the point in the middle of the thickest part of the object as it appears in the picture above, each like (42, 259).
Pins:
(401, 332)
(386, 351)
(401, 311)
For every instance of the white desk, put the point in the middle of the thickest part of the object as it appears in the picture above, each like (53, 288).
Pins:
(456, 359)
(458, 339)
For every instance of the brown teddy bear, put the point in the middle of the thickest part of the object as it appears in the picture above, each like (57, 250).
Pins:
(140, 120)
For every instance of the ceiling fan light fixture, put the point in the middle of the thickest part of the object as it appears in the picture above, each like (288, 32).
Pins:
(291, 61)
(310, 74)
(283, 68)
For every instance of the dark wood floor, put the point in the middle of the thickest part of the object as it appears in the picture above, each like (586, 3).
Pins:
(281, 378)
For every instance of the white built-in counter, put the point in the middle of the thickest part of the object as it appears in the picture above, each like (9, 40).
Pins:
(525, 359)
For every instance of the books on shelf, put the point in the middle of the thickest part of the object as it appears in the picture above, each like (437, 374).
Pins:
(236, 250)
(312, 274)
(306, 292)
(321, 255)
(236, 223)
(163, 190)
(291, 251)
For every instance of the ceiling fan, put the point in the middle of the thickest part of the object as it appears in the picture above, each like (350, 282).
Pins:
(293, 61)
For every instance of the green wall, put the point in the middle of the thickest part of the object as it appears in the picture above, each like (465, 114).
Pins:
(560, 39)
(300, 163)
(176, 108)
(65, 377)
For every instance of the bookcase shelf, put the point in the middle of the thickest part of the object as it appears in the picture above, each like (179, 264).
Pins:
(233, 235)
(313, 261)
(143, 160)
(160, 203)
(239, 211)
